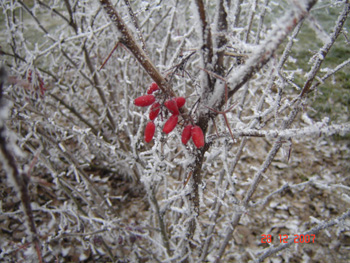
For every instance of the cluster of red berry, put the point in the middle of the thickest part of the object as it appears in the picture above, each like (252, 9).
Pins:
(173, 105)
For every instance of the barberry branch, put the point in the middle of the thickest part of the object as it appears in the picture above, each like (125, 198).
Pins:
(129, 41)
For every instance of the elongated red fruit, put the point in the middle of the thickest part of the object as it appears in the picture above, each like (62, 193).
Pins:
(172, 106)
(152, 88)
(154, 111)
(170, 124)
(197, 136)
(144, 100)
(180, 101)
(186, 134)
(149, 131)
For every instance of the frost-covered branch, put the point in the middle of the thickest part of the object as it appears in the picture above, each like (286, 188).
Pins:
(127, 39)
(319, 129)
(136, 24)
(206, 46)
(320, 56)
(267, 48)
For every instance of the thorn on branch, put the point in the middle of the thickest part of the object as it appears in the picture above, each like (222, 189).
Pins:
(110, 54)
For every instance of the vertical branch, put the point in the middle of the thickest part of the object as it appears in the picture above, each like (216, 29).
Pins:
(216, 208)
(136, 24)
(206, 53)
(196, 183)
(163, 232)
(220, 40)
(237, 13)
(167, 38)
(250, 20)
(261, 21)
(20, 181)
(206, 49)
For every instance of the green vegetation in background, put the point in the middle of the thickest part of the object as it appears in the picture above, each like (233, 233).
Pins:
(332, 98)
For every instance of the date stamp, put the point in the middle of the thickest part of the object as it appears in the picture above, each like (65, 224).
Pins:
(284, 238)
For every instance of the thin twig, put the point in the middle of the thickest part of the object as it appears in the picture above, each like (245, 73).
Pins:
(136, 25)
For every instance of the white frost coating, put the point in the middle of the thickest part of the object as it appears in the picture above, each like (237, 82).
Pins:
(65, 251)
(264, 50)
(82, 256)
(315, 220)
(5, 107)
(218, 94)
(197, 22)
(317, 129)
(182, 210)
(307, 119)
(319, 31)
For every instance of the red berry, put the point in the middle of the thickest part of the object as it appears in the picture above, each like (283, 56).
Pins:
(197, 136)
(149, 131)
(155, 108)
(170, 124)
(186, 134)
(172, 106)
(180, 101)
(152, 88)
(144, 100)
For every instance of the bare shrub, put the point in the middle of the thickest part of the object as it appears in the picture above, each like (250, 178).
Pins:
(87, 187)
